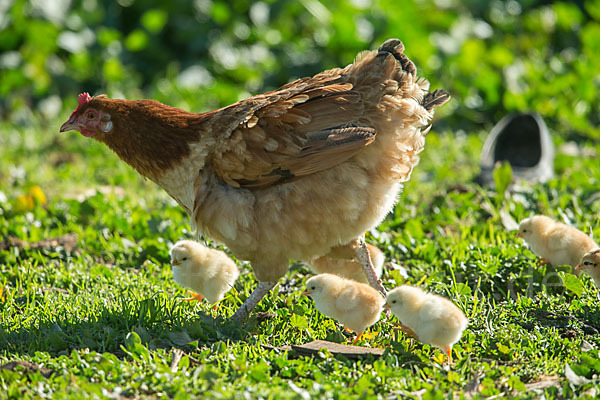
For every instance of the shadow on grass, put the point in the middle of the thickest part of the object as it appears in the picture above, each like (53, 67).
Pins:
(584, 321)
(159, 322)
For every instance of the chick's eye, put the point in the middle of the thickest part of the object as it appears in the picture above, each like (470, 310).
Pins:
(393, 301)
(184, 258)
(313, 287)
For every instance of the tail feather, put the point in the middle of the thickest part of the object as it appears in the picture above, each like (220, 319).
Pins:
(435, 99)
(396, 48)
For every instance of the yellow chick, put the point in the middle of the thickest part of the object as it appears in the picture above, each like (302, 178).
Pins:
(354, 304)
(430, 318)
(590, 264)
(349, 269)
(209, 273)
(555, 242)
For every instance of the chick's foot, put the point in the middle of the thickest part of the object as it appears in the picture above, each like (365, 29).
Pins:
(195, 297)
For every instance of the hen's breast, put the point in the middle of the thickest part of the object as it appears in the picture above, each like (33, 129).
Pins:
(180, 181)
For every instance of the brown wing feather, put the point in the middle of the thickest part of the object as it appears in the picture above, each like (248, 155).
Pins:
(297, 133)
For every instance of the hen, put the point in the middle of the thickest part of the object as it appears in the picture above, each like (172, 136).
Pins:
(296, 173)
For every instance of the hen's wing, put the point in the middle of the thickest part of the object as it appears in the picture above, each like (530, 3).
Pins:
(302, 128)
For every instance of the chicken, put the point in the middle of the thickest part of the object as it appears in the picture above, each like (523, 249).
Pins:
(590, 264)
(349, 269)
(291, 174)
(356, 305)
(208, 272)
(555, 242)
(430, 318)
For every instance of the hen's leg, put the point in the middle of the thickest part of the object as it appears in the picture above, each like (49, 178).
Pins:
(362, 253)
(259, 292)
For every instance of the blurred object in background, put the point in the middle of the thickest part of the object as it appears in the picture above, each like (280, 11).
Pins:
(524, 141)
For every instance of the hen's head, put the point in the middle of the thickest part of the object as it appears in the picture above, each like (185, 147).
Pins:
(90, 117)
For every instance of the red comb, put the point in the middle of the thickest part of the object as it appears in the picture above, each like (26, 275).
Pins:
(81, 99)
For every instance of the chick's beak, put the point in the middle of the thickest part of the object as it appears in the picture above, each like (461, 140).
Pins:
(70, 125)
(386, 306)
(175, 263)
(578, 267)
(307, 293)
(518, 234)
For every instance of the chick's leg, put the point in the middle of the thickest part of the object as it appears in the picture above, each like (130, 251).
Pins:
(362, 253)
(448, 351)
(357, 337)
(407, 330)
(259, 292)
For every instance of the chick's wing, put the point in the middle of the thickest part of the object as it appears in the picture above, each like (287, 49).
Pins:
(348, 299)
(432, 317)
(305, 127)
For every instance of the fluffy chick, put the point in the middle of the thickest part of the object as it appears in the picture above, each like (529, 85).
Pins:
(354, 304)
(209, 273)
(430, 318)
(590, 264)
(349, 268)
(555, 242)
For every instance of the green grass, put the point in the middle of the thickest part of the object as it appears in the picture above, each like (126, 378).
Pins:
(105, 317)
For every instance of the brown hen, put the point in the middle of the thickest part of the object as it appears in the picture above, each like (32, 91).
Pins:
(296, 173)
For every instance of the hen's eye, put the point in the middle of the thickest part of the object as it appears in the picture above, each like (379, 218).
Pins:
(91, 115)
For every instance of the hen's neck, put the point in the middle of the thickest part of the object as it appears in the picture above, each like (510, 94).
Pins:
(153, 137)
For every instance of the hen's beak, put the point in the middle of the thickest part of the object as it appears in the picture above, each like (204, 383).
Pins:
(307, 293)
(70, 125)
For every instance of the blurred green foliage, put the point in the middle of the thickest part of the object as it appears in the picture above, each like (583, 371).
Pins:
(492, 56)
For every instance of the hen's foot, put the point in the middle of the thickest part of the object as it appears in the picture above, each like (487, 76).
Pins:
(259, 292)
